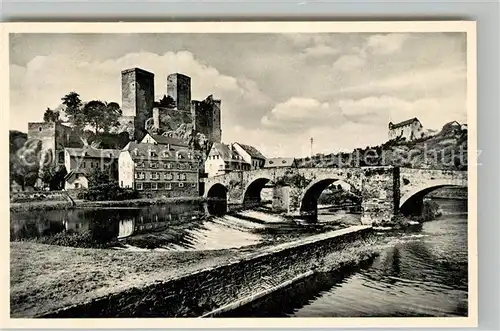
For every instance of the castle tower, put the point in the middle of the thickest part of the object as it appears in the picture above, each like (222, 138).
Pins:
(137, 98)
(207, 119)
(179, 88)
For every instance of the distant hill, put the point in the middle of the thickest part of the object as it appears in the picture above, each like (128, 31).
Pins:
(446, 149)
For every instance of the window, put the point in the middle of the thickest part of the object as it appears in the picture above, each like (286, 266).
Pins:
(193, 184)
(154, 186)
(168, 186)
(77, 185)
(84, 165)
(181, 184)
(190, 156)
(138, 186)
(153, 154)
(169, 176)
(40, 129)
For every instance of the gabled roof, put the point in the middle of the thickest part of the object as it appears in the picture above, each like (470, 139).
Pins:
(252, 151)
(227, 153)
(164, 140)
(93, 152)
(280, 162)
(73, 172)
(143, 150)
(404, 123)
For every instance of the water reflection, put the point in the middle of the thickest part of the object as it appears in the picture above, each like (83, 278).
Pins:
(173, 226)
(416, 274)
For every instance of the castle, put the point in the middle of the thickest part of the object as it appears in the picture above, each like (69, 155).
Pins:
(409, 130)
(176, 114)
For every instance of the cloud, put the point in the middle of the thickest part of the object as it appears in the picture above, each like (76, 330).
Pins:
(298, 113)
(349, 62)
(385, 44)
(46, 79)
(422, 80)
(432, 112)
(320, 50)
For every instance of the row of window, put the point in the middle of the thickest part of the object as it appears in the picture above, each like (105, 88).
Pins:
(93, 165)
(158, 175)
(168, 154)
(162, 186)
(156, 165)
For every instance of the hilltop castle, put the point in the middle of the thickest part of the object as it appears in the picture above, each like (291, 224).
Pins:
(174, 115)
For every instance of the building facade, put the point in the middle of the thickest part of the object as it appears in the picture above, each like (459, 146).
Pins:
(251, 155)
(82, 162)
(137, 99)
(223, 159)
(158, 168)
(281, 162)
(409, 130)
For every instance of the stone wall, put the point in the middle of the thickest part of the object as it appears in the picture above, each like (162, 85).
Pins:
(202, 292)
(38, 196)
(378, 196)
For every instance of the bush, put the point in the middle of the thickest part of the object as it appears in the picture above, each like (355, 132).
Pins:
(101, 188)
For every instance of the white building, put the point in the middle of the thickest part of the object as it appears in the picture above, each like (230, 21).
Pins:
(250, 154)
(151, 167)
(81, 162)
(223, 159)
(409, 130)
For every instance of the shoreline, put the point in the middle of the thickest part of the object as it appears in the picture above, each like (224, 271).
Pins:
(113, 274)
(55, 205)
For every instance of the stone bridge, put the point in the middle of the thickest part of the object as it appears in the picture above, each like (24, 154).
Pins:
(385, 192)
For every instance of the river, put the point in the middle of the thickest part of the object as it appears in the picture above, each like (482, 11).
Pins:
(421, 273)
(418, 273)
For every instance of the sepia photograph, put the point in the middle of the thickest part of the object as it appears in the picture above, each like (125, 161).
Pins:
(225, 172)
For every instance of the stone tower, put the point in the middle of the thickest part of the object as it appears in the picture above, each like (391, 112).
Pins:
(137, 98)
(179, 88)
(207, 119)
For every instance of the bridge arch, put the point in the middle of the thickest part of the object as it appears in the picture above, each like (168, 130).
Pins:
(252, 191)
(217, 199)
(411, 203)
(309, 198)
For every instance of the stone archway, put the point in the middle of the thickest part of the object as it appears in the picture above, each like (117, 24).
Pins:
(411, 204)
(309, 199)
(217, 200)
(252, 193)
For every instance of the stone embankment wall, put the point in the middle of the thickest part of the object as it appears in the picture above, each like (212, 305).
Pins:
(38, 196)
(202, 292)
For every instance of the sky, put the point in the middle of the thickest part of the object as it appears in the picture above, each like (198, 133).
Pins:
(278, 90)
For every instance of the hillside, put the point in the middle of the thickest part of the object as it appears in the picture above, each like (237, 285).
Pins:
(446, 149)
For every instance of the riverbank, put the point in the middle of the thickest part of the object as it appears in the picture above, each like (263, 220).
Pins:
(67, 204)
(48, 278)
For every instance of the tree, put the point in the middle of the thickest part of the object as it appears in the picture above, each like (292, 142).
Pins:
(51, 116)
(101, 115)
(73, 109)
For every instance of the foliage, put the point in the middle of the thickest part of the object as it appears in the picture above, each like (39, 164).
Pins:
(296, 180)
(27, 162)
(102, 188)
(73, 109)
(54, 177)
(102, 116)
(51, 116)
